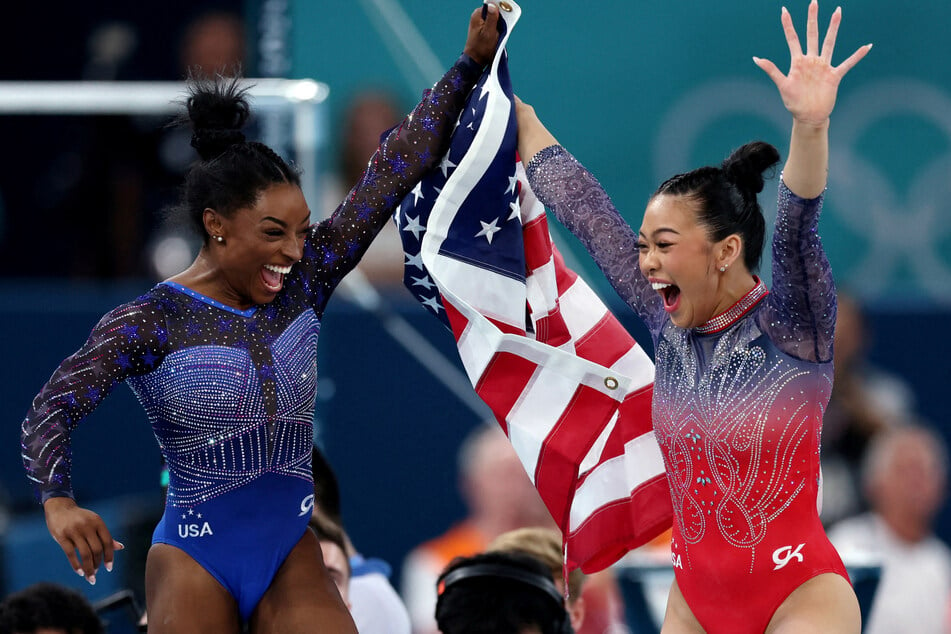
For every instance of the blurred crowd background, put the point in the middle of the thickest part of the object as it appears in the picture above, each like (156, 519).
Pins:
(638, 91)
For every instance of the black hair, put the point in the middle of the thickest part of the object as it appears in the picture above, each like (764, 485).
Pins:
(326, 489)
(726, 196)
(232, 172)
(48, 606)
(499, 593)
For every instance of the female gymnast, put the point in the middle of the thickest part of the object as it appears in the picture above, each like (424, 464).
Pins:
(742, 373)
(223, 358)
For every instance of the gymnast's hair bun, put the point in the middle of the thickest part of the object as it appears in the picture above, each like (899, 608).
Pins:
(217, 110)
(746, 166)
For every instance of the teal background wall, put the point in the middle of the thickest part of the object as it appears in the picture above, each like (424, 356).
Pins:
(639, 91)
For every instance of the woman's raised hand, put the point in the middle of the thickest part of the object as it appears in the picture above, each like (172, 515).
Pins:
(483, 36)
(809, 89)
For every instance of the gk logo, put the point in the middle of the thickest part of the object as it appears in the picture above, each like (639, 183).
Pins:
(306, 506)
(782, 556)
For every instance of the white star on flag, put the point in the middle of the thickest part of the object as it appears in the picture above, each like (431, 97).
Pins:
(489, 229)
(418, 192)
(511, 188)
(432, 303)
(446, 165)
(414, 260)
(423, 281)
(413, 226)
(516, 210)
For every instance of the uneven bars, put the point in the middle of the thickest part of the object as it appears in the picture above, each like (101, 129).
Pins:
(136, 97)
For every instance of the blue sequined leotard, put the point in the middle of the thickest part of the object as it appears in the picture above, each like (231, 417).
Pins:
(737, 407)
(230, 393)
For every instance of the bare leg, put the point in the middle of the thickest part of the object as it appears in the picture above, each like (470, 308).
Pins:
(825, 604)
(182, 597)
(302, 597)
(679, 619)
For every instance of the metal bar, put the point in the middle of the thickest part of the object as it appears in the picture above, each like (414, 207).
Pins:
(137, 98)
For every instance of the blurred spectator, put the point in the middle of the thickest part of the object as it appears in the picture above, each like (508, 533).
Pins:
(865, 401)
(47, 608)
(213, 43)
(374, 604)
(594, 604)
(333, 547)
(905, 474)
(500, 592)
(499, 497)
(368, 115)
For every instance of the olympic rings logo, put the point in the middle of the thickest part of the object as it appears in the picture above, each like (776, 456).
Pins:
(901, 229)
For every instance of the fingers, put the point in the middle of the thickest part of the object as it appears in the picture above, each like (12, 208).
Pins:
(770, 69)
(491, 16)
(70, 552)
(853, 59)
(828, 44)
(87, 545)
(792, 38)
(812, 29)
(105, 539)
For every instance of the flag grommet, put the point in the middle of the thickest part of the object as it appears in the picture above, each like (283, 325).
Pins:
(505, 6)
(610, 382)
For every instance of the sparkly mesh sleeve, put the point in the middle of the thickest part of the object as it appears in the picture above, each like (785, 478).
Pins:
(799, 314)
(584, 208)
(336, 245)
(130, 340)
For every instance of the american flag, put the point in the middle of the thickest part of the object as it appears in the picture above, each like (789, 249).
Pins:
(567, 383)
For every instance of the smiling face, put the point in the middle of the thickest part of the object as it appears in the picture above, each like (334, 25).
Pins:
(260, 244)
(678, 258)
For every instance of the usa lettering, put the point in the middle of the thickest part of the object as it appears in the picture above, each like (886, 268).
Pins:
(194, 530)
(675, 559)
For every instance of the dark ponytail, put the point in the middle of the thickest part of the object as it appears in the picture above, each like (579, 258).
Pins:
(232, 172)
(726, 196)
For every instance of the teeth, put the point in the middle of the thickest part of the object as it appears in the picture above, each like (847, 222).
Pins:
(283, 270)
(659, 285)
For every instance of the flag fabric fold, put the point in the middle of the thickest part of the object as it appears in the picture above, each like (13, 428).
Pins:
(566, 382)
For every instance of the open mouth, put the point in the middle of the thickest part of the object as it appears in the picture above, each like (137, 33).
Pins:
(670, 293)
(273, 276)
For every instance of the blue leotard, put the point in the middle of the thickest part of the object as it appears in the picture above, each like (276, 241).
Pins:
(230, 393)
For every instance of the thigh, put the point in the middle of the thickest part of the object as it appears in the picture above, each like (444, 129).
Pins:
(302, 597)
(825, 604)
(182, 597)
(679, 619)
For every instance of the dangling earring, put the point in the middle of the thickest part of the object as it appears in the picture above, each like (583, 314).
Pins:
(220, 240)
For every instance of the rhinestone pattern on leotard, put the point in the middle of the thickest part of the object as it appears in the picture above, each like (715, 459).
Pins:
(230, 393)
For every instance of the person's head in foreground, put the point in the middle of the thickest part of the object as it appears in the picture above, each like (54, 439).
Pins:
(48, 608)
(499, 593)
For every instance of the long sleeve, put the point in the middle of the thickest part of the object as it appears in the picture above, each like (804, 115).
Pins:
(335, 246)
(800, 310)
(131, 339)
(580, 203)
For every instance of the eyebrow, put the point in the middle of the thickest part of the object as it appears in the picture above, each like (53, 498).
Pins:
(661, 230)
(280, 222)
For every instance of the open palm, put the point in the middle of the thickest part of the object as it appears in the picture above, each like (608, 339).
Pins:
(809, 89)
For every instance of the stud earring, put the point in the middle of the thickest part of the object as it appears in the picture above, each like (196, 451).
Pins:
(722, 268)
(219, 239)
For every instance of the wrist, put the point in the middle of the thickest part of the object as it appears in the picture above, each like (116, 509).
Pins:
(806, 126)
(58, 502)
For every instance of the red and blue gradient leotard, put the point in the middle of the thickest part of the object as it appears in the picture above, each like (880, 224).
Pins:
(230, 393)
(737, 407)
